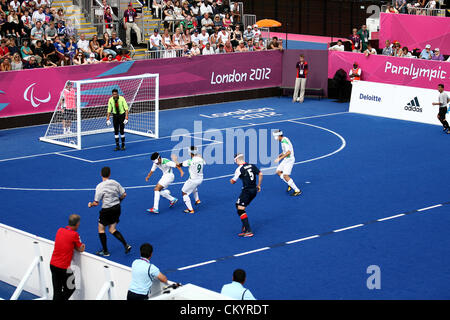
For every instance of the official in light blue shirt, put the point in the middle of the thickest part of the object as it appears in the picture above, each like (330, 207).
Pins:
(236, 289)
(143, 273)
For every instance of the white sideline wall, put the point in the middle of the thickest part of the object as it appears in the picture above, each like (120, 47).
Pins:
(394, 101)
(17, 252)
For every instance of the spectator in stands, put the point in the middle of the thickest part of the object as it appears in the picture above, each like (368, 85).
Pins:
(12, 47)
(168, 15)
(4, 51)
(228, 47)
(129, 22)
(400, 6)
(250, 45)
(218, 23)
(236, 36)
(406, 53)
(364, 36)
(122, 55)
(108, 17)
(236, 289)
(177, 39)
(16, 63)
(71, 31)
(188, 24)
(248, 34)
(60, 48)
(235, 13)
(226, 21)
(116, 43)
(355, 72)
(39, 51)
(79, 59)
(107, 46)
(26, 24)
(83, 45)
(51, 32)
(47, 63)
(387, 50)
(337, 47)
(60, 16)
(15, 6)
(207, 50)
(72, 48)
(143, 273)
(66, 241)
(437, 56)
(195, 37)
(195, 51)
(241, 47)
(38, 15)
(187, 38)
(276, 44)
(3, 24)
(256, 33)
(214, 39)
(167, 40)
(203, 38)
(14, 24)
(220, 49)
(426, 53)
(37, 33)
(356, 41)
(369, 51)
(300, 80)
(25, 51)
(92, 59)
(48, 16)
(186, 51)
(31, 63)
(391, 9)
(61, 30)
(207, 23)
(185, 10)
(178, 11)
(224, 36)
(50, 51)
(5, 65)
(106, 6)
(157, 6)
(205, 7)
(195, 12)
(95, 47)
(108, 58)
(156, 41)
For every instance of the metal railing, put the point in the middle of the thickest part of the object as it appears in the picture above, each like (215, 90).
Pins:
(426, 11)
(163, 54)
(249, 20)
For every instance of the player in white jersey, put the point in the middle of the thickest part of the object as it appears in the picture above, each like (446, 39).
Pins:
(195, 165)
(287, 159)
(166, 166)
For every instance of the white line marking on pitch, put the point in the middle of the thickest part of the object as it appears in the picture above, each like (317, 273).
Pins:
(348, 228)
(428, 208)
(250, 252)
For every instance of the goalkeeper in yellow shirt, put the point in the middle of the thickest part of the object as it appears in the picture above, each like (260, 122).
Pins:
(119, 109)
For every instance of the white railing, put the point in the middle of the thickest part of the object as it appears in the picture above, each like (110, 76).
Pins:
(163, 54)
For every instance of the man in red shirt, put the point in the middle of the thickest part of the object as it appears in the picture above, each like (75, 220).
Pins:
(67, 239)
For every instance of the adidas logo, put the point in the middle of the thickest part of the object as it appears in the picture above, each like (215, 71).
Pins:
(413, 105)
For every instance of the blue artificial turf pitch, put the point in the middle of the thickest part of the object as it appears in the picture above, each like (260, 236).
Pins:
(354, 171)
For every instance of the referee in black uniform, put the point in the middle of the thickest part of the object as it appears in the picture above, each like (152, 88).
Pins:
(247, 173)
(443, 101)
(111, 193)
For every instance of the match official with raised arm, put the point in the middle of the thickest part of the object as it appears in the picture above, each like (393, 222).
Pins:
(118, 106)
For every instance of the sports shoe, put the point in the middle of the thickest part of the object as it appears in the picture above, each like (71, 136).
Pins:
(172, 203)
(288, 189)
(123, 147)
(127, 249)
(152, 210)
(103, 253)
(117, 148)
(197, 202)
(297, 193)
(188, 211)
(247, 234)
(243, 231)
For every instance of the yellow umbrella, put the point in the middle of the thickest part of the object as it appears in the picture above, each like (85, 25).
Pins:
(268, 23)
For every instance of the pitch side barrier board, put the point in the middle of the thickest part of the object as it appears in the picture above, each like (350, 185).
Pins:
(394, 101)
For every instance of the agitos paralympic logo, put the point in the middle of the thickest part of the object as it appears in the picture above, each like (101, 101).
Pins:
(28, 95)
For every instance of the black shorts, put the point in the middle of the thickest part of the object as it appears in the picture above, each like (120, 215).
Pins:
(442, 112)
(109, 216)
(69, 115)
(246, 196)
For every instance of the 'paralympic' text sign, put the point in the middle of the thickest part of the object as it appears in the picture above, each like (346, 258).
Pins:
(392, 70)
(36, 91)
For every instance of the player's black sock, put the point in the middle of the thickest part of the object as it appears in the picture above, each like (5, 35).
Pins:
(117, 141)
(123, 141)
(119, 237)
(244, 219)
(102, 237)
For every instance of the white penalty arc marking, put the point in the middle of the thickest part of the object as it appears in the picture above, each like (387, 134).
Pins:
(342, 146)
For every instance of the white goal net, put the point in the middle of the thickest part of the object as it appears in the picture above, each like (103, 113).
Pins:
(83, 105)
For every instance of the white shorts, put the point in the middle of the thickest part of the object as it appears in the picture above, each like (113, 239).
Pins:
(190, 185)
(286, 165)
(166, 179)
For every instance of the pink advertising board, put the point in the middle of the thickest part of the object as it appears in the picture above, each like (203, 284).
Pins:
(392, 70)
(415, 31)
(36, 91)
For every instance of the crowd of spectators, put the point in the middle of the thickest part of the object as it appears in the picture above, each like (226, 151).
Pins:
(359, 42)
(422, 7)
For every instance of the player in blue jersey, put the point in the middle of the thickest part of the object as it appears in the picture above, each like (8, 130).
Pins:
(247, 173)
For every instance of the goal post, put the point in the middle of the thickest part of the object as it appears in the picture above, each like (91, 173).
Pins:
(82, 107)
